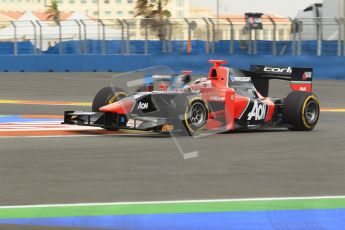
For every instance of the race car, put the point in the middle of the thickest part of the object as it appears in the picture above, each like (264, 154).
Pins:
(227, 99)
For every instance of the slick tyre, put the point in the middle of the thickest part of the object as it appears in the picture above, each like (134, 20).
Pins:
(106, 96)
(195, 116)
(301, 111)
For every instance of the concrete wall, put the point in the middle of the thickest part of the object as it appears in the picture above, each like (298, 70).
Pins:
(326, 67)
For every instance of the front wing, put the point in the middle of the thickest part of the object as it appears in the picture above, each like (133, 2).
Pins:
(113, 121)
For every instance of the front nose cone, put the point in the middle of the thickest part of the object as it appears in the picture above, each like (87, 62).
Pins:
(123, 106)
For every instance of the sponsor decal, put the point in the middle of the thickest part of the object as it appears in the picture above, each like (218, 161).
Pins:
(306, 76)
(131, 123)
(242, 78)
(143, 105)
(217, 98)
(134, 123)
(278, 70)
(258, 111)
(167, 128)
(232, 77)
(146, 105)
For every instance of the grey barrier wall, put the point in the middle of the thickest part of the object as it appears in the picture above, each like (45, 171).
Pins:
(325, 67)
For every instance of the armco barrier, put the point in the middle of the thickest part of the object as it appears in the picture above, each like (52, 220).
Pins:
(326, 67)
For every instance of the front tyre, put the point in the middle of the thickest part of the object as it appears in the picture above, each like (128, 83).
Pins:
(106, 96)
(195, 116)
(301, 111)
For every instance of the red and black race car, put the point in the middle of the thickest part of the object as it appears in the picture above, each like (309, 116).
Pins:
(227, 99)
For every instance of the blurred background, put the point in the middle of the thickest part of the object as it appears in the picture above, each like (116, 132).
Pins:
(274, 27)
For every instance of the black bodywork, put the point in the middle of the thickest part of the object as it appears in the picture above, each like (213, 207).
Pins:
(162, 108)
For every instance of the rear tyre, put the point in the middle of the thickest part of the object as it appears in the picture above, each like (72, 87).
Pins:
(106, 96)
(195, 116)
(301, 111)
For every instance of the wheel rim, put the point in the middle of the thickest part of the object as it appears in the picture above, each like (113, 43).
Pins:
(117, 97)
(311, 112)
(197, 115)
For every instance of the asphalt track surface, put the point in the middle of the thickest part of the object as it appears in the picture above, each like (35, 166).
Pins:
(52, 170)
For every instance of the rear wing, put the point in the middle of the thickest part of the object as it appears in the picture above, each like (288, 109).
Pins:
(300, 78)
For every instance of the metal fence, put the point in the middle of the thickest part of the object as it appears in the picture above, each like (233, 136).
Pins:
(279, 36)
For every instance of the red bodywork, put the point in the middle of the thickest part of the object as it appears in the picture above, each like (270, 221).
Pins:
(228, 109)
(216, 89)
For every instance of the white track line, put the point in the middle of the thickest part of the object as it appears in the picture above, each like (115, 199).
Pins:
(173, 202)
(80, 135)
(28, 129)
(33, 122)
